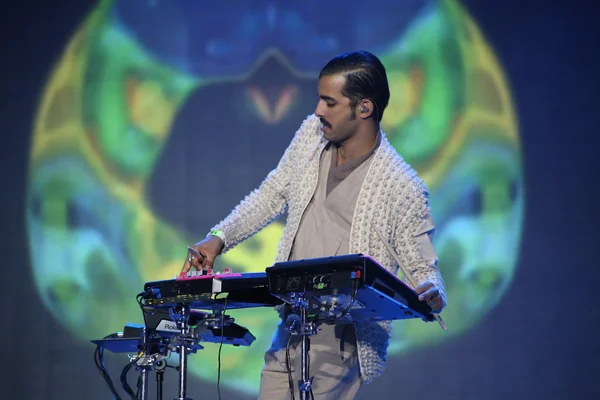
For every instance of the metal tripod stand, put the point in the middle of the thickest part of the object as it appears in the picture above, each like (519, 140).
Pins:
(186, 343)
(305, 329)
(144, 366)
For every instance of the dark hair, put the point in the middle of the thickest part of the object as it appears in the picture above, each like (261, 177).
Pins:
(365, 78)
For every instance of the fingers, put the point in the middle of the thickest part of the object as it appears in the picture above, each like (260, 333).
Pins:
(198, 258)
(186, 266)
(194, 259)
(425, 286)
(202, 255)
(191, 262)
(429, 294)
(198, 263)
(208, 263)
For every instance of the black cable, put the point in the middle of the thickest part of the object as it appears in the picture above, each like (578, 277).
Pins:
(146, 340)
(289, 367)
(99, 361)
(139, 387)
(124, 382)
(219, 354)
(311, 392)
(352, 298)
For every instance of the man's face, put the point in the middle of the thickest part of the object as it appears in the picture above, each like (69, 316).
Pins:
(338, 119)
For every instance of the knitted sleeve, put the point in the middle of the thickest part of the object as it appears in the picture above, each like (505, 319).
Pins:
(264, 204)
(414, 234)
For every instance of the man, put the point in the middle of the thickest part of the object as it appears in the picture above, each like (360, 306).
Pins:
(338, 176)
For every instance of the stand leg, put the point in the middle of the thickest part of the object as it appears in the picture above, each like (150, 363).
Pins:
(144, 383)
(182, 318)
(183, 372)
(160, 376)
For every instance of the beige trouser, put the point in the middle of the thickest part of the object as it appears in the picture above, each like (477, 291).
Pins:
(333, 364)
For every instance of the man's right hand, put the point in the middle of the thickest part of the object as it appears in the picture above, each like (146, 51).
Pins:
(208, 249)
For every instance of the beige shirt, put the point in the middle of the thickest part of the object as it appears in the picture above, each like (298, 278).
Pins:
(325, 227)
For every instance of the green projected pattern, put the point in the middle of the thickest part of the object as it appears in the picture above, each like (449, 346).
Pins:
(106, 113)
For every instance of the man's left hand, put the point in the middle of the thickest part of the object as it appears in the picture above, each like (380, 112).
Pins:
(429, 293)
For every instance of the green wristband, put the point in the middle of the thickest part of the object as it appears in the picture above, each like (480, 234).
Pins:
(218, 233)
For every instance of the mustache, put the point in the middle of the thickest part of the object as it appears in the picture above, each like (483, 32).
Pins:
(325, 123)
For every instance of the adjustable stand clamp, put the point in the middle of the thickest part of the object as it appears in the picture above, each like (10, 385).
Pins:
(145, 363)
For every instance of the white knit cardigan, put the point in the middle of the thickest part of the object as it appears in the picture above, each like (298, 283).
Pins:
(392, 196)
